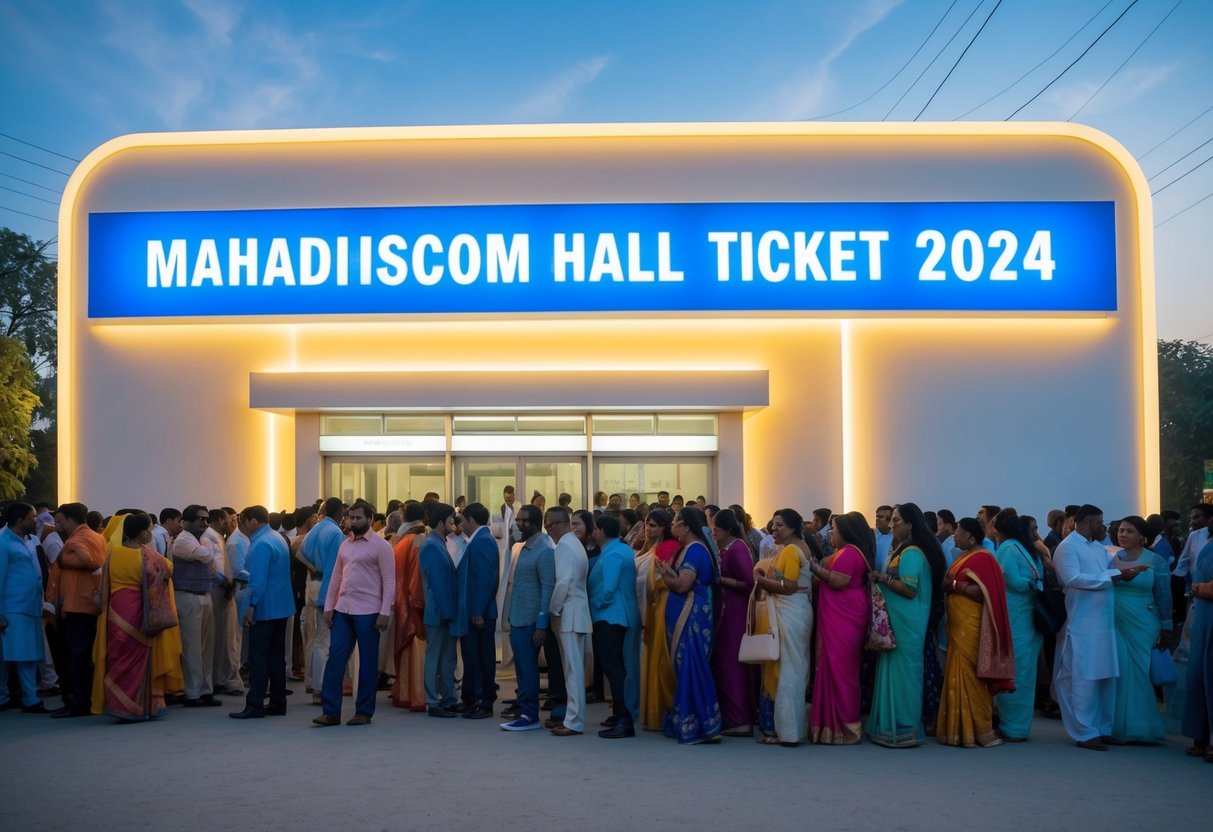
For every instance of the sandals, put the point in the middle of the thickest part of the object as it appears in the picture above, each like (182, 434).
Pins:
(1197, 750)
(768, 740)
(1092, 745)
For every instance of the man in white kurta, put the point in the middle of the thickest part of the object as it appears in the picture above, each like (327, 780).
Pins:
(1085, 670)
(571, 622)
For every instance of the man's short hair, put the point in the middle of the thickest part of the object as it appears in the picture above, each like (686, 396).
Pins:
(190, 513)
(1072, 510)
(666, 493)
(560, 512)
(437, 513)
(532, 513)
(413, 512)
(1205, 509)
(608, 525)
(363, 506)
(259, 513)
(1087, 510)
(991, 511)
(333, 507)
(167, 514)
(76, 512)
(16, 511)
(945, 515)
(1054, 515)
(478, 513)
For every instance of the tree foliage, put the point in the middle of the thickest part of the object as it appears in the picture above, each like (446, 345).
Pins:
(1185, 409)
(17, 403)
(29, 282)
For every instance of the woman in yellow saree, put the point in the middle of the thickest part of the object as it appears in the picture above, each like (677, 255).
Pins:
(134, 670)
(658, 680)
(981, 658)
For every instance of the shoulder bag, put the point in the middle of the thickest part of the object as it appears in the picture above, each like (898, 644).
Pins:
(1049, 602)
(761, 647)
(880, 627)
(158, 611)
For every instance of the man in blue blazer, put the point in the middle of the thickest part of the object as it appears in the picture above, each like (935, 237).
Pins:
(528, 600)
(477, 586)
(441, 618)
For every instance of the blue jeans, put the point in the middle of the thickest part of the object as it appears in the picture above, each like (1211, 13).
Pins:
(526, 667)
(439, 666)
(348, 630)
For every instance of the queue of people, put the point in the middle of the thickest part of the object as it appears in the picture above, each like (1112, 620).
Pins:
(948, 629)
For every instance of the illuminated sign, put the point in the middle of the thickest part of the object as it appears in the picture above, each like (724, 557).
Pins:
(605, 258)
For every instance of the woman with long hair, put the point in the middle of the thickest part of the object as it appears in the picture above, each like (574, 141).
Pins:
(1023, 574)
(657, 678)
(694, 716)
(910, 584)
(787, 578)
(843, 611)
(135, 668)
(736, 683)
(751, 535)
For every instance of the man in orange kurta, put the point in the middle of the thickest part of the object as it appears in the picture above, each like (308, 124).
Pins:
(74, 579)
(408, 690)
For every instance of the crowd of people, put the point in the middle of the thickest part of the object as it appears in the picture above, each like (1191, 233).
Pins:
(687, 617)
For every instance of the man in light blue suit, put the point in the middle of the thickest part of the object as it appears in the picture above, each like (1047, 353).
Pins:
(441, 618)
(528, 602)
(612, 589)
(270, 603)
(477, 581)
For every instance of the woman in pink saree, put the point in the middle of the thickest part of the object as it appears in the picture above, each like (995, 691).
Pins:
(843, 610)
(134, 669)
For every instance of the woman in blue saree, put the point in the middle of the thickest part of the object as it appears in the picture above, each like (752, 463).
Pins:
(1143, 614)
(695, 716)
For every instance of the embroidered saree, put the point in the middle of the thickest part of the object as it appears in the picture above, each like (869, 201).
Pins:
(842, 626)
(782, 711)
(658, 682)
(980, 660)
(694, 715)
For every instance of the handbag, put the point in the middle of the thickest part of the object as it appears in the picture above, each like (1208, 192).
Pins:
(1048, 603)
(759, 648)
(1162, 668)
(158, 612)
(880, 627)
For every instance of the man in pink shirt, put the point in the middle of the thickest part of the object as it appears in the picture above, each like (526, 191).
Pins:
(356, 609)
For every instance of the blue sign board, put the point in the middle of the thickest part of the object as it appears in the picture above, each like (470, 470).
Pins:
(605, 258)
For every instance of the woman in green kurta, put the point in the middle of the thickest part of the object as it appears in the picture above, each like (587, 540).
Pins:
(1023, 573)
(909, 587)
(1143, 612)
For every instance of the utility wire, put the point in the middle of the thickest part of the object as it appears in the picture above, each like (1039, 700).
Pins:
(1051, 56)
(1073, 62)
(938, 55)
(31, 196)
(1181, 158)
(895, 74)
(26, 214)
(1181, 176)
(1091, 97)
(31, 162)
(1173, 135)
(958, 60)
(1184, 211)
(39, 147)
(28, 182)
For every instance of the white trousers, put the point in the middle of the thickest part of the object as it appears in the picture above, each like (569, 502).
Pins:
(197, 624)
(1086, 704)
(572, 658)
(226, 665)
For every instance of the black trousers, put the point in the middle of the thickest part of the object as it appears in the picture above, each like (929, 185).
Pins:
(479, 650)
(551, 656)
(267, 664)
(608, 646)
(79, 633)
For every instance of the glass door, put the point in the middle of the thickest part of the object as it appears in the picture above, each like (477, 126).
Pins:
(690, 477)
(552, 477)
(483, 479)
(379, 480)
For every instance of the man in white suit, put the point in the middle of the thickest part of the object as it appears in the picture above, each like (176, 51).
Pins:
(570, 616)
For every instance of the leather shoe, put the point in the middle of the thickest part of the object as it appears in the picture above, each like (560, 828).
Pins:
(275, 710)
(441, 713)
(479, 713)
(461, 707)
(247, 713)
(620, 730)
(609, 722)
(552, 723)
(359, 719)
(512, 712)
(68, 713)
(207, 701)
(562, 731)
(324, 721)
(36, 708)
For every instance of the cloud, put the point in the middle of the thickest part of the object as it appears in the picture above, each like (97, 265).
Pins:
(803, 96)
(1126, 87)
(550, 99)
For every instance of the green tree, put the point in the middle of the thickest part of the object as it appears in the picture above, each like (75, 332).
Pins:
(1185, 410)
(17, 403)
(28, 299)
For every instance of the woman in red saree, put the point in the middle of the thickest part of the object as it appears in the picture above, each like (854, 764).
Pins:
(134, 670)
(981, 658)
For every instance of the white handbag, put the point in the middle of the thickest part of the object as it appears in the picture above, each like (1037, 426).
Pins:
(763, 647)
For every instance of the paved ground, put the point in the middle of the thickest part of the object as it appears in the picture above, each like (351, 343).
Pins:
(199, 770)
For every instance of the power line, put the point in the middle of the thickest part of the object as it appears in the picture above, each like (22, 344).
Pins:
(1176, 133)
(1051, 56)
(27, 214)
(40, 147)
(31, 162)
(31, 196)
(938, 55)
(958, 60)
(1181, 176)
(1180, 159)
(895, 74)
(1073, 62)
(28, 182)
(1091, 97)
(1184, 211)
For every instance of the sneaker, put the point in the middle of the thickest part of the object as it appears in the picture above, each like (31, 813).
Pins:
(522, 723)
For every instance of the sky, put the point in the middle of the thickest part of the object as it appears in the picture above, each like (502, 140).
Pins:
(75, 74)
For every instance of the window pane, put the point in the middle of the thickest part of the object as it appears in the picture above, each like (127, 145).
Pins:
(484, 424)
(419, 425)
(551, 424)
(687, 424)
(688, 478)
(552, 478)
(629, 424)
(351, 425)
(484, 481)
(378, 482)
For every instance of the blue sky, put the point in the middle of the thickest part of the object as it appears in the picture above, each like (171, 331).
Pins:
(76, 74)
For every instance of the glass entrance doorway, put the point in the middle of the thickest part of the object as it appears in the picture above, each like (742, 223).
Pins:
(482, 479)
